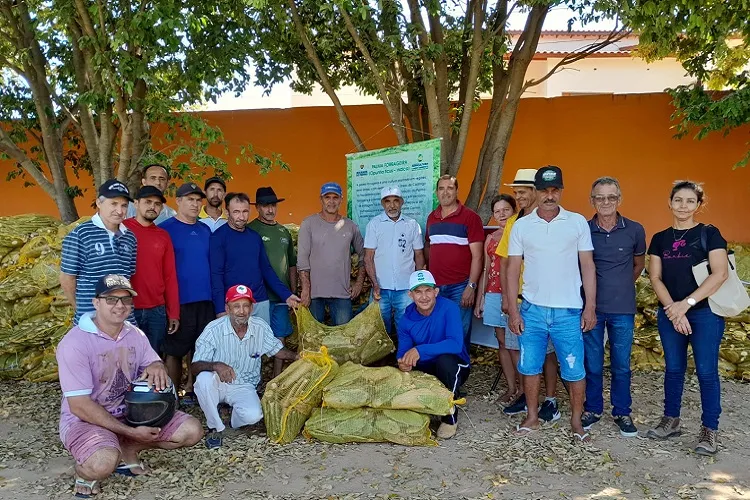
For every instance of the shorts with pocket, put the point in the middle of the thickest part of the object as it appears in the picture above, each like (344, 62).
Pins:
(194, 317)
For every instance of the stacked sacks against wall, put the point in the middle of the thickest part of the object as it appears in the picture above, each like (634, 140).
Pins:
(34, 314)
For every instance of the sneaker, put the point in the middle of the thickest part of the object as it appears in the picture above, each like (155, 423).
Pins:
(589, 418)
(214, 439)
(548, 411)
(517, 406)
(667, 427)
(707, 444)
(447, 431)
(627, 428)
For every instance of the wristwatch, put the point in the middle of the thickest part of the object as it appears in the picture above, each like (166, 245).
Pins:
(691, 301)
(472, 285)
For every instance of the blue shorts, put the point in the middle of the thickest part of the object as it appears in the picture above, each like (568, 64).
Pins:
(493, 312)
(281, 324)
(563, 327)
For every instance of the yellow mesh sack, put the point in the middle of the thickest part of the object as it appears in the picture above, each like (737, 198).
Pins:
(368, 425)
(27, 307)
(357, 386)
(363, 340)
(46, 369)
(18, 284)
(16, 230)
(35, 247)
(290, 398)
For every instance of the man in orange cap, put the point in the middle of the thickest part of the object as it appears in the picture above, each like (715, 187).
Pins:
(227, 361)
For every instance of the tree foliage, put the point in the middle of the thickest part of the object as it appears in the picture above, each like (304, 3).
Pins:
(82, 83)
(712, 41)
(426, 60)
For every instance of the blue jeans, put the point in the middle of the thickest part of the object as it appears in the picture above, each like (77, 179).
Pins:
(153, 322)
(708, 328)
(281, 323)
(340, 310)
(563, 326)
(454, 293)
(392, 306)
(620, 333)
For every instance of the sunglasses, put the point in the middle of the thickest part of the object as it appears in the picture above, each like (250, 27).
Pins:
(112, 301)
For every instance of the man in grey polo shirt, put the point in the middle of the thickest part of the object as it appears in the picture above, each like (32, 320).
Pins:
(620, 256)
(393, 250)
(157, 176)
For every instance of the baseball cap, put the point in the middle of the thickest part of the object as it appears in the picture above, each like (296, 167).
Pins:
(390, 191)
(238, 292)
(419, 278)
(112, 282)
(330, 187)
(114, 189)
(524, 178)
(214, 179)
(549, 176)
(147, 191)
(190, 188)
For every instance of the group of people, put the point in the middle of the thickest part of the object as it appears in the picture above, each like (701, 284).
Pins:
(207, 283)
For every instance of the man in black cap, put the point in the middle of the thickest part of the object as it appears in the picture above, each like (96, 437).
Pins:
(190, 240)
(555, 247)
(279, 246)
(213, 214)
(97, 248)
(155, 278)
(155, 175)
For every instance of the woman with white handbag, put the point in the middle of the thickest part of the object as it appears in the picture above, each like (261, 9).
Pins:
(685, 316)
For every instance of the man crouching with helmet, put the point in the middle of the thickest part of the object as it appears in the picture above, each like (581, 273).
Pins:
(227, 361)
(98, 360)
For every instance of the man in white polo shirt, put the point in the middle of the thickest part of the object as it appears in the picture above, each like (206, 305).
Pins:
(393, 250)
(227, 360)
(552, 243)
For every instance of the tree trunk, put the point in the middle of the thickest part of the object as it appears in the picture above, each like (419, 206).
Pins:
(66, 207)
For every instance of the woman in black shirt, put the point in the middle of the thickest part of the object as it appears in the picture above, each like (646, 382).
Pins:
(685, 316)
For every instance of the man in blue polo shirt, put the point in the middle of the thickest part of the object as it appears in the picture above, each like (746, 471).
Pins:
(238, 257)
(619, 255)
(190, 239)
(393, 250)
(97, 248)
(431, 340)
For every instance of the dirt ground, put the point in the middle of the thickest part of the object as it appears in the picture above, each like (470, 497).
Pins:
(484, 460)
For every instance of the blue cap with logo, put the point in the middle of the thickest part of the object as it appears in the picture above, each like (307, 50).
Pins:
(114, 189)
(331, 187)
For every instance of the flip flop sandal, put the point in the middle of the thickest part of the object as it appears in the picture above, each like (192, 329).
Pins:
(86, 484)
(127, 469)
(189, 399)
(524, 431)
(584, 438)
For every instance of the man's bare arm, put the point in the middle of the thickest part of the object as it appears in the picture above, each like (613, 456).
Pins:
(419, 261)
(286, 354)
(89, 411)
(68, 284)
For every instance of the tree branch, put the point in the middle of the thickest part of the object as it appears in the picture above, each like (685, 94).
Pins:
(9, 147)
(325, 83)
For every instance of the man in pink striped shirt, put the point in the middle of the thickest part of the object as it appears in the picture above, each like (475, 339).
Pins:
(97, 360)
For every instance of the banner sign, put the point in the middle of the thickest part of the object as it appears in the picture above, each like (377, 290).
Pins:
(414, 168)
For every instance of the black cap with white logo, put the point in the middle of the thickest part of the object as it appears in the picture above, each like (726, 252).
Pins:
(112, 282)
(148, 191)
(190, 188)
(114, 189)
(549, 176)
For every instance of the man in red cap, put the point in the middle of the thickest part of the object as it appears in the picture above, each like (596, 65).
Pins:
(227, 361)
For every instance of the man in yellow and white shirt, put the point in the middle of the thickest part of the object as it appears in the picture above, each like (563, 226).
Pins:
(525, 194)
(212, 214)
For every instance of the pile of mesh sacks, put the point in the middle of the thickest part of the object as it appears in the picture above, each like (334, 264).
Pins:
(337, 399)
(34, 314)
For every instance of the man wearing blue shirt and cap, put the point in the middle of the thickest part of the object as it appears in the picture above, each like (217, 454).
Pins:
(324, 259)
(431, 340)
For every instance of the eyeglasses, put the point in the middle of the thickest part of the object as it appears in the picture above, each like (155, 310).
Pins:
(127, 301)
(612, 198)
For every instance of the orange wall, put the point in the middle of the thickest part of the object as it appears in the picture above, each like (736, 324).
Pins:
(625, 136)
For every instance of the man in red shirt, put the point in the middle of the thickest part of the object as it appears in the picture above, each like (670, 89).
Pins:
(155, 277)
(453, 249)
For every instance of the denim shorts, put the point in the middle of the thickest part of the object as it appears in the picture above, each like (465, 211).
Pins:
(493, 312)
(563, 326)
(281, 324)
(511, 342)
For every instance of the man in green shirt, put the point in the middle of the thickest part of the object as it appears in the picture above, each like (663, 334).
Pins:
(279, 246)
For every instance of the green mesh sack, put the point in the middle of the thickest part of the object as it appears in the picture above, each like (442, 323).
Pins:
(358, 386)
(368, 425)
(27, 307)
(363, 340)
(290, 398)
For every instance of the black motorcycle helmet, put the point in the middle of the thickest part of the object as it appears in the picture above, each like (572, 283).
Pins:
(145, 405)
